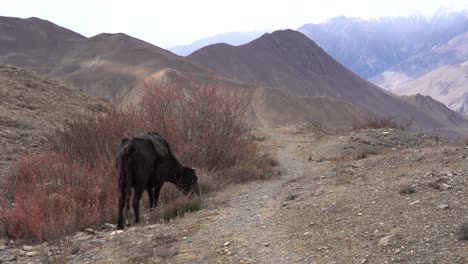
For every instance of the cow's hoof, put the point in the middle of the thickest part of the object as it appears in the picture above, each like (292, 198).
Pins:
(120, 227)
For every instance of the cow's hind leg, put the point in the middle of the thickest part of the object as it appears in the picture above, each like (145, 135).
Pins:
(136, 203)
(122, 200)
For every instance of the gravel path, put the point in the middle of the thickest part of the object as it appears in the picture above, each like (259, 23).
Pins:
(251, 229)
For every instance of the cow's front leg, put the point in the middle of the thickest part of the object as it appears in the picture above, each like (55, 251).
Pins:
(157, 191)
(149, 190)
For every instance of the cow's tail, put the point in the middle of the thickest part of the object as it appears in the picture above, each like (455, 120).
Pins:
(125, 165)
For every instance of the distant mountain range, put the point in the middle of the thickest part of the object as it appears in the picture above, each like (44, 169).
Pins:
(231, 38)
(369, 47)
(366, 47)
(453, 51)
(289, 78)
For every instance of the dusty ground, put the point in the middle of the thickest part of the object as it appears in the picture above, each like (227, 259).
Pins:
(378, 196)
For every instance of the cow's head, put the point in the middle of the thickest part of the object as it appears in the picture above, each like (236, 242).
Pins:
(189, 181)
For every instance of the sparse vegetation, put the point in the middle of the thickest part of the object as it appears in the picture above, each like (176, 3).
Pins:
(407, 189)
(364, 152)
(376, 122)
(74, 185)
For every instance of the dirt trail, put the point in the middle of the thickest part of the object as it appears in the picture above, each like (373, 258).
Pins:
(251, 226)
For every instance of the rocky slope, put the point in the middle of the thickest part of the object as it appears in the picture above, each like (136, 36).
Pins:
(30, 106)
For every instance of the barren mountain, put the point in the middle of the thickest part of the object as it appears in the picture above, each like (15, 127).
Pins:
(30, 104)
(452, 52)
(111, 65)
(34, 43)
(290, 61)
(447, 84)
(369, 47)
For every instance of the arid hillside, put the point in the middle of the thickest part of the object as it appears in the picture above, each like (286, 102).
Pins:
(111, 65)
(34, 43)
(30, 106)
(267, 107)
(447, 84)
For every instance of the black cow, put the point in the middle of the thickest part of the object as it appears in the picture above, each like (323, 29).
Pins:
(145, 163)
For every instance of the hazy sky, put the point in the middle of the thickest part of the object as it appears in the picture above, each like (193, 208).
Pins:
(175, 22)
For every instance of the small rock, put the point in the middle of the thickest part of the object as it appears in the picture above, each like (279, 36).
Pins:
(266, 244)
(229, 253)
(98, 241)
(226, 244)
(82, 238)
(385, 133)
(75, 249)
(415, 202)
(363, 261)
(153, 226)
(444, 186)
(385, 240)
(31, 254)
(306, 233)
(359, 214)
(90, 231)
(7, 258)
(108, 226)
(116, 232)
(28, 248)
(443, 206)
(265, 197)
(397, 251)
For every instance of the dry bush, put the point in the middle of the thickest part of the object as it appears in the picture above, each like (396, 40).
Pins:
(364, 152)
(376, 122)
(407, 189)
(53, 195)
(88, 137)
(173, 204)
(256, 167)
(205, 125)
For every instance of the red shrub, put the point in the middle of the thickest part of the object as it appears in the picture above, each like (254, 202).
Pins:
(204, 124)
(53, 195)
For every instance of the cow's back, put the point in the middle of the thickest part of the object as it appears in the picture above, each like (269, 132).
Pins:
(161, 147)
